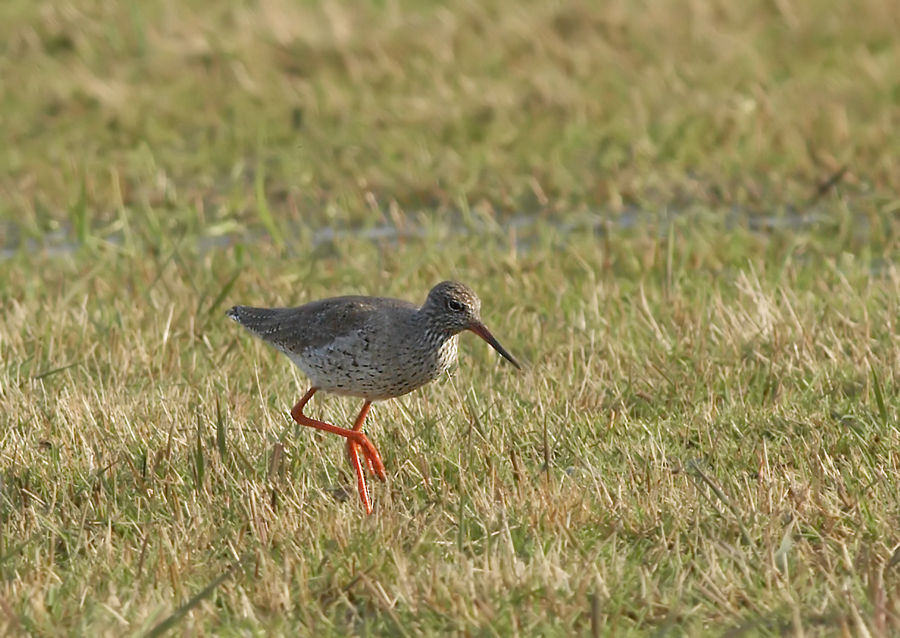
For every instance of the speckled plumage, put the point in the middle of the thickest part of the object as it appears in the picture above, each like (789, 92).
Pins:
(369, 347)
(351, 345)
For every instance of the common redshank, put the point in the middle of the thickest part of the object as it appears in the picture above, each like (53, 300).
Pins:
(374, 348)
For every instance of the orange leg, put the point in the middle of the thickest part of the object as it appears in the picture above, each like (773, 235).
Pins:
(373, 458)
(360, 476)
(356, 439)
(354, 460)
(357, 427)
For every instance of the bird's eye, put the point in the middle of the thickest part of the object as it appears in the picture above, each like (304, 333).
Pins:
(455, 305)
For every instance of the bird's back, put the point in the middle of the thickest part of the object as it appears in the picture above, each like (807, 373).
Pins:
(359, 346)
(318, 323)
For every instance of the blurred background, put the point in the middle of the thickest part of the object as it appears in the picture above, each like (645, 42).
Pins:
(199, 115)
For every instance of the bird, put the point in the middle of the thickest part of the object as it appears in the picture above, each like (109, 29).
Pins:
(372, 348)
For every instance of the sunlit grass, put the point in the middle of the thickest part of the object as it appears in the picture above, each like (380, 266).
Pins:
(703, 440)
(707, 441)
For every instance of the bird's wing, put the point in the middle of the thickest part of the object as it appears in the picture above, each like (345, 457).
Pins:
(318, 323)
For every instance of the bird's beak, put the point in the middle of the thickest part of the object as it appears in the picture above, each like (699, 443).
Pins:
(481, 330)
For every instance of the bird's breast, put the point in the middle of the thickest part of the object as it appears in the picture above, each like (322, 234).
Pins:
(355, 365)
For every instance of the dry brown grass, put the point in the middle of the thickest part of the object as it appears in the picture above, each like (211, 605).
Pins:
(682, 452)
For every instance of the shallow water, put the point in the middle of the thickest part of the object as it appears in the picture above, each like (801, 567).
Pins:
(522, 229)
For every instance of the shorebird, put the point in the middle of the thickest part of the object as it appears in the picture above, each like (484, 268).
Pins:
(374, 348)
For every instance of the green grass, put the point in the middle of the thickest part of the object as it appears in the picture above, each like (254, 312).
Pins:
(179, 107)
(703, 442)
(704, 437)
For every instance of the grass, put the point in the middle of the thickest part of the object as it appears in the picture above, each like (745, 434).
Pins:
(704, 438)
(180, 107)
(703, 441)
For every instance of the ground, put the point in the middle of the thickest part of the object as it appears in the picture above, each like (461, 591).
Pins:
(681, 218)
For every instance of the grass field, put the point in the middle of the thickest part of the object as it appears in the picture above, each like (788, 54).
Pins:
(681, 217)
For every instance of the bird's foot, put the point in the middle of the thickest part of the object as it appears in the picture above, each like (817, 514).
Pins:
(373, 458)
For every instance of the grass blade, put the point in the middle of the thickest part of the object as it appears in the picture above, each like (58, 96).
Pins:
(222, 294)
(203, 594)
(44, 375)
(265, 213)
(220, 430)
(214, 306)
(81, 215)
(198, 455)
(879, 398)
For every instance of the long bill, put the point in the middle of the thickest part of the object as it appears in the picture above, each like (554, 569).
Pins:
(481, 330)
